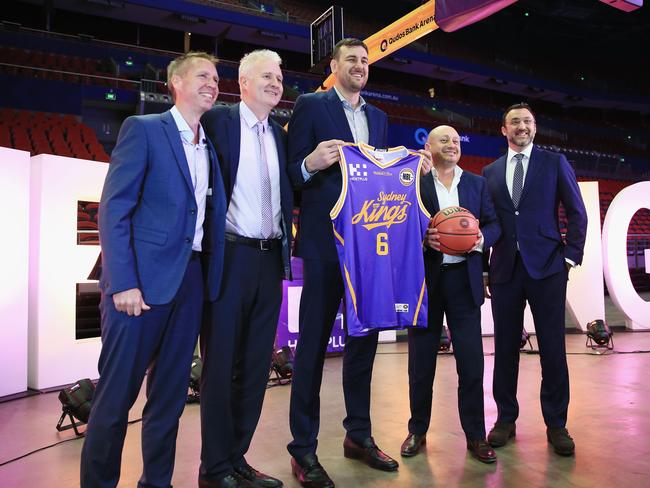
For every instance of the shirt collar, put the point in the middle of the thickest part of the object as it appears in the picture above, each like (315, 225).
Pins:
(362, 102)
(526, 152)
(186, 133)
(249, 117)
(457, 172)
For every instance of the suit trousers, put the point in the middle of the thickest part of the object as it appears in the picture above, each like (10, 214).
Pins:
(547, 304)
(451, 296)
(321, 296)
(237, 340)
(162, 341)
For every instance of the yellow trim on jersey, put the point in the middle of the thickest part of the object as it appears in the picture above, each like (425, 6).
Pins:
(417, 188)
(336, 209)
(337, 235)
(417, 309)
(353, 295)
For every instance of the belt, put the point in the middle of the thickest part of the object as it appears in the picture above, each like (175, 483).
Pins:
(450, 266)
(261, 244)
(195, 255)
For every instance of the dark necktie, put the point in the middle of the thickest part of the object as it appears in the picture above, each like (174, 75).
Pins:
(518, 180)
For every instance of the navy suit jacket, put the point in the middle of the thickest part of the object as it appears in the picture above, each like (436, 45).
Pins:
(534, 225)
(222, 125)
(474, 196)
(147, 213)
(320, 117)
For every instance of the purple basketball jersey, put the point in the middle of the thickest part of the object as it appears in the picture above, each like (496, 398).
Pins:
(379, 224)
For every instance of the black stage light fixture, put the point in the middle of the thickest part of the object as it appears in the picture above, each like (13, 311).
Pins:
(445, 340)
(76, 401)
(525, 339)
(282, 366)
(194, 395)
(599, 335)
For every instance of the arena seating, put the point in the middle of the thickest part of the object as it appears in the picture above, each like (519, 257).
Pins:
(45, 133)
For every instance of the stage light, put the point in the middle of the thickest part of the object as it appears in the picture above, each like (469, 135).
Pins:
(445, 340)
(76, 401)
(598, 332)
(525, 339)
(194, 396)
(282, 365)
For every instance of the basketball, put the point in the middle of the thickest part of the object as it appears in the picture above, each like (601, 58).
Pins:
(457, 229)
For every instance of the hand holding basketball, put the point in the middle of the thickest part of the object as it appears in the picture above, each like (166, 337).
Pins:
(457, 231)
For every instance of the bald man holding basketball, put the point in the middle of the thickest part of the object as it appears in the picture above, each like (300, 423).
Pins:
(455, 288)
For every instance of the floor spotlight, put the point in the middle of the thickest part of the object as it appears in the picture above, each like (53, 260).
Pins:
(281, 366)
(599, 335)
(445, 340)
(525, 339)
(76, 401)
(194, 395)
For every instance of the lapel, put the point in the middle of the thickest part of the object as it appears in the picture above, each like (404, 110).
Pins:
(464, 194)
(335, 108)
(372, 115)
(170, 128)
(500, 169)
(233, 131)
(429, 195)
(534, 166)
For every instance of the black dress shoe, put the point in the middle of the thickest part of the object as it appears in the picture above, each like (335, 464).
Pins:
(501, 433)
(369, 453)
(310, 473)
(257, 477)
(561, 441)
(482, 451)
(412, 444)
(229, 481)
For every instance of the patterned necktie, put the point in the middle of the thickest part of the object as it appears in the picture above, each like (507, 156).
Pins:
(265, 185)
(518, 180)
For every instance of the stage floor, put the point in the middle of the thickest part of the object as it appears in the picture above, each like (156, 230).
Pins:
(609, 419)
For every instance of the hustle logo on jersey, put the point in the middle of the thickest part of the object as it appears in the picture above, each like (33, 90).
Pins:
(402, 307)
(406, 177)
(385, 210)
(382, 173)
(357, 172)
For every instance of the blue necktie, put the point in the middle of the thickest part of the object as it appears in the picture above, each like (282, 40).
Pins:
(518, 180)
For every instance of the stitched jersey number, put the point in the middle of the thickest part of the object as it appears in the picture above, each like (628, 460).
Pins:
(382, 244)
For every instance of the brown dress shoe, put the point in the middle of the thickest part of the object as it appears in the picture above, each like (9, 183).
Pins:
(501, 433)
(482, 451)
(309, 472)
(561, 441)
(412, 444)
(369, 453)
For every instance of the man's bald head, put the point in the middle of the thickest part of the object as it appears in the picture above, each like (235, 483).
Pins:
(444, 144)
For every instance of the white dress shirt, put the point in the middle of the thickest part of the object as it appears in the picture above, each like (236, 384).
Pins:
(358, 122)
(198, 161)
(448, 198)
(511, 162)
(244, 215)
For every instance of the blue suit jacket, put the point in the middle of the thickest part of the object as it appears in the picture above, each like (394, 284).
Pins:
(147, 213)
(223, 126)
(320, 117)
(550, 180)
(474, 196)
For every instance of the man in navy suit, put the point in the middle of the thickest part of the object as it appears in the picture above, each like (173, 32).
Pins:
(237, 338)
(454, 288)
(320, 123)
(531, 262)
(161, 226)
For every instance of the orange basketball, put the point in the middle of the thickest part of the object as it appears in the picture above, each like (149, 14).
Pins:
(457, 229)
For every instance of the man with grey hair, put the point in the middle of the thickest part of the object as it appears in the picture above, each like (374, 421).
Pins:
(238, 335)
(161, 225)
